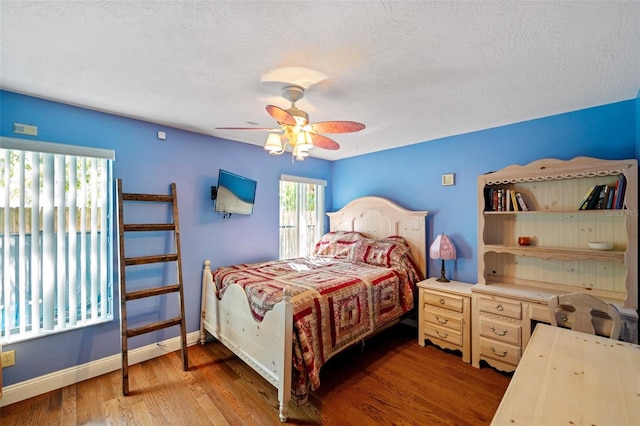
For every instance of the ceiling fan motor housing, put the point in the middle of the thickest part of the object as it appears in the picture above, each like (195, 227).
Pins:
(301, 117)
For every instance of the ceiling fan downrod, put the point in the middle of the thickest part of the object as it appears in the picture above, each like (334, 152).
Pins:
(294, 94)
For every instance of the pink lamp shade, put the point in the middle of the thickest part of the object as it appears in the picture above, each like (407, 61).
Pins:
(442, 248)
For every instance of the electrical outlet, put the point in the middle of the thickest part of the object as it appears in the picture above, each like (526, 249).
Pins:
(25, 129)
(8, 358)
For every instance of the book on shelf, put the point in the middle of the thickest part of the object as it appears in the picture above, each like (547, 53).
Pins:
(495, 199)
(503, 200)
(585, 199)
(621, 188)
(521, 203)
(615, 194)
(602, 197)
(514, 201)
(592, 201)
(488, 199)
(610, 194)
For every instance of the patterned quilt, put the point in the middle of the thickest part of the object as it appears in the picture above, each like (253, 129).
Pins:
(339, 297)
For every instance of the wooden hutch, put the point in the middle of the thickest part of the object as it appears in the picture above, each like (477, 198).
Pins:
(516, 281)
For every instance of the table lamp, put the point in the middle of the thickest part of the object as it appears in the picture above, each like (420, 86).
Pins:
(442, 248)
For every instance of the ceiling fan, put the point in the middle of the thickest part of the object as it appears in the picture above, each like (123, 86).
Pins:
(295, 129)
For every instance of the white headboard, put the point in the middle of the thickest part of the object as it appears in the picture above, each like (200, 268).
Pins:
(377, 217)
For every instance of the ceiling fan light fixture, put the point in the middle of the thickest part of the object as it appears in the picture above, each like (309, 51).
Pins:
(304, 141)
(300, 152)
(274, 144)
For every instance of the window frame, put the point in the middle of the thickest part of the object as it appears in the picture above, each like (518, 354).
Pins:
(303, 243)
(14, 327)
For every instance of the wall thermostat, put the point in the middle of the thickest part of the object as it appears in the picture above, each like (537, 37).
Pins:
(448, 179)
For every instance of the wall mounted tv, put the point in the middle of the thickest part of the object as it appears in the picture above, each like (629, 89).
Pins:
(235, 194)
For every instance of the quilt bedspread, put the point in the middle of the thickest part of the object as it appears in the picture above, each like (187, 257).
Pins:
(336, 303)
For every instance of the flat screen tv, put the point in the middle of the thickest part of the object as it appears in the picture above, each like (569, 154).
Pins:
(236, 194)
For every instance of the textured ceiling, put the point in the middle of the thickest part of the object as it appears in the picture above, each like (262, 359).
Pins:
(412, 71)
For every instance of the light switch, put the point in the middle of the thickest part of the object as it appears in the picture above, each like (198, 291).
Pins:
(448, 179)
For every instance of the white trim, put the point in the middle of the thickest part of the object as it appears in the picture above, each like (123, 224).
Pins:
(69, 376)
(56, 148)
(290, 178)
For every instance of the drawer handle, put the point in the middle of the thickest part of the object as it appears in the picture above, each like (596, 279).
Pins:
(441, 321)
(498, 333)
(442, 301)
(442, 336)
(501, 355)
(499, 307)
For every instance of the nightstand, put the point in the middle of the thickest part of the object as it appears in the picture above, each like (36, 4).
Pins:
(444, 315)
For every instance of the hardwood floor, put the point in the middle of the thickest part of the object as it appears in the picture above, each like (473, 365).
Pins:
(395, 381)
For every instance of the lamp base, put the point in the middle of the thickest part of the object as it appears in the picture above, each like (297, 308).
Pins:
(442, 278)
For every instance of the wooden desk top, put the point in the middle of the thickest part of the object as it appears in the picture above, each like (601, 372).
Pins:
(571, 378)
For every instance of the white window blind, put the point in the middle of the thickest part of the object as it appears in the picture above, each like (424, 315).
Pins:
(55, 228)
(301, 215)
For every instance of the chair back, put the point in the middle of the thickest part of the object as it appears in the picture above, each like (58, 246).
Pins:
(586, 313)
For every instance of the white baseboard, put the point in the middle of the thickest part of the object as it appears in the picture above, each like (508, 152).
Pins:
(59, 379)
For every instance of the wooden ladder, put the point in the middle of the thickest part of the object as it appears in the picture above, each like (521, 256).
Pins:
(127, 296)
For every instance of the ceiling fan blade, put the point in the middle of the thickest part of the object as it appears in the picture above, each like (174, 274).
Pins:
(324, 142)
(280, 115)
(337, 126)
(248, 128)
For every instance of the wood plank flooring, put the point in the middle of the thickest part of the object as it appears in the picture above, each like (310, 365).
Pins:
(394, 382)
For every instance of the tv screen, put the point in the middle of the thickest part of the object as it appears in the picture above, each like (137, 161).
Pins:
(236, 194)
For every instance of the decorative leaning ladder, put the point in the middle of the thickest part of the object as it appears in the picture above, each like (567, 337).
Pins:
(127, 296)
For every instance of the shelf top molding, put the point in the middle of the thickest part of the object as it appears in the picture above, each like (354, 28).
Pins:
(555, 169)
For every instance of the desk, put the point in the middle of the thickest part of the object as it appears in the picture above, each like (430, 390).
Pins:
(516, 308)
(566, 377)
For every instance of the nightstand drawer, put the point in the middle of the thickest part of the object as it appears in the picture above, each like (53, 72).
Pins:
(443, 333)
(500, 351)
(443, 318)
(502, 307)
(442, 300)
(505, 331)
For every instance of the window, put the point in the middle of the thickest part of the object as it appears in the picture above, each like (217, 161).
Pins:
(301, 215)
(55, 228)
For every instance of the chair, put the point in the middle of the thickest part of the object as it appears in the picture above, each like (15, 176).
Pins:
(585, 313)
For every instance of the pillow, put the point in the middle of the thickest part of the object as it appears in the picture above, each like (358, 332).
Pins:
(378, 252)
(336, 244)
(411, 267)
(396, 239)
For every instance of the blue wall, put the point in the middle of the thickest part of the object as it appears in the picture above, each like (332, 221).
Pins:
(412, 179)
(148, 165)
(412, 176)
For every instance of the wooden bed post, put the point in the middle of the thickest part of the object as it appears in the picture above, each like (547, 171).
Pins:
(206, 275)
(284, 390)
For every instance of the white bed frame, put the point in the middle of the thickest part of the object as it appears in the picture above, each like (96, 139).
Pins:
(266, 346)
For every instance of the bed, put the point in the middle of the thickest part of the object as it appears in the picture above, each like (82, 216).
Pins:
(286, 318)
